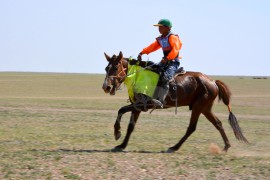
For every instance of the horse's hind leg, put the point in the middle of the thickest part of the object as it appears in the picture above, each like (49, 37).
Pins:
(217, 123)
(133, 119)
(191, 128)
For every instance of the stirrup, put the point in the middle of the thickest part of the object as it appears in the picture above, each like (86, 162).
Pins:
(157, 103)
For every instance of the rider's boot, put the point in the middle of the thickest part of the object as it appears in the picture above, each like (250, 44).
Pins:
(162, 92)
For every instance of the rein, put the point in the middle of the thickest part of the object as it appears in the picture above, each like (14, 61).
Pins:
(123, 71)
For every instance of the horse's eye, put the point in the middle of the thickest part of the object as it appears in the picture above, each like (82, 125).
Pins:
(108, 67)
(114, 68)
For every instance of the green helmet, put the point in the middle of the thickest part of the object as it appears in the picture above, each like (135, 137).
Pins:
(164, 22)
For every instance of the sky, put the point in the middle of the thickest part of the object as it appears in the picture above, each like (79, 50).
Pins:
(220, 37)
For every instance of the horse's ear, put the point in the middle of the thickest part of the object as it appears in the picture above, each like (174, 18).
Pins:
(120, 56)
(107, 57)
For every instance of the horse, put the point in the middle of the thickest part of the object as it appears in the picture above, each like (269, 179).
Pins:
(193, 89)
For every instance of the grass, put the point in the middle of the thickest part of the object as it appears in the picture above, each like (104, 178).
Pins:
(60, 126)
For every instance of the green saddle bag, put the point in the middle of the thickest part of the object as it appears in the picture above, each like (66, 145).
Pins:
(140, 80)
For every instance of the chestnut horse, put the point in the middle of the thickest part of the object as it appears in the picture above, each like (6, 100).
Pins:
(193, 89)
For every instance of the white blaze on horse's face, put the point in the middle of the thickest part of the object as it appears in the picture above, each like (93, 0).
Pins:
(111, 82)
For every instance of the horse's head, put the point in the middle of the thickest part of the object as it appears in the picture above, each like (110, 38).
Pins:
(116, 72)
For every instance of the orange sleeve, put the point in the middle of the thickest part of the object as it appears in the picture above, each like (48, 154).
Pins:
(151, 48)
(176, 45)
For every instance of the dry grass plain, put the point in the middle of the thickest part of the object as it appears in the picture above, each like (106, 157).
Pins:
(60, 126)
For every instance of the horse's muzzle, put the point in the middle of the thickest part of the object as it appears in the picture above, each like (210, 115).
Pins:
(109, 89)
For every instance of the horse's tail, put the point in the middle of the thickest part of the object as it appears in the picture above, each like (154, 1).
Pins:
(224, 94)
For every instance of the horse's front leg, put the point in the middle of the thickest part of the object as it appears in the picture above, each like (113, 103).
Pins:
(117, 126)
(133, 119)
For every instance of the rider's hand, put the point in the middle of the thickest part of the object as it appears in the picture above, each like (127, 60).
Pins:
(164, 60)
(133, 62)
(139, 58)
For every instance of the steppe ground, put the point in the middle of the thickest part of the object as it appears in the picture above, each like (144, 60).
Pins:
(60, 126)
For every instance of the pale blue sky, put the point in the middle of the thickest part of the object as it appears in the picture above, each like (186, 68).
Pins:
(220, 37)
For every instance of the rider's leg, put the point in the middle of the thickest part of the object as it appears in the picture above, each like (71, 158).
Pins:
(163, 91)
(163, 88)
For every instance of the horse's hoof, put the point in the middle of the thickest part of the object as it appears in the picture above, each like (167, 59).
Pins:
(117, 149)
(117, 135)
(225, 150)
(170, 150)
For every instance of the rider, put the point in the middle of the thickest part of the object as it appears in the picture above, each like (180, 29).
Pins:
(171, 45)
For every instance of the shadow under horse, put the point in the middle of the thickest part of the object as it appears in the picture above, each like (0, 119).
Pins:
(193, 89)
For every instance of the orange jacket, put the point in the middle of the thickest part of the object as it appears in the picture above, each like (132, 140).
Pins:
(175, 43)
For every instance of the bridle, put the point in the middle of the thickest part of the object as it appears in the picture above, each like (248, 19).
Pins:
(122, 74)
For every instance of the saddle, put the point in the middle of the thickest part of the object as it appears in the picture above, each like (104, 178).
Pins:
(179, 71)
(172, 84)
